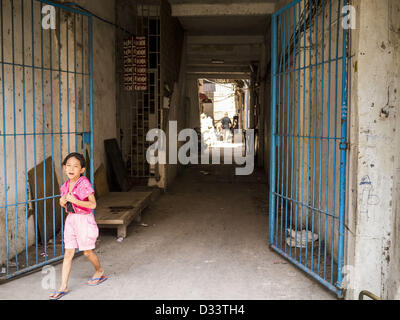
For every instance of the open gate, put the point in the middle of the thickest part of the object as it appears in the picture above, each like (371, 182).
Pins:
(46, 112)
(309, 93)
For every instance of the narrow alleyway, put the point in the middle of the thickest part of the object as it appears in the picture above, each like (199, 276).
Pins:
(206, 239)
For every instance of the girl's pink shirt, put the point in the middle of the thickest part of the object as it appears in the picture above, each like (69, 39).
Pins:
(81, 190)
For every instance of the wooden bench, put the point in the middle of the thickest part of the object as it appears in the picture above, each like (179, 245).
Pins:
(118, 209)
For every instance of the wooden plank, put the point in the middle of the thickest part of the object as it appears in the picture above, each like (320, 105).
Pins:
(100, 182)
(137, 200)
(53, 214)
(117, 165)
(107, 217)
(122, 199)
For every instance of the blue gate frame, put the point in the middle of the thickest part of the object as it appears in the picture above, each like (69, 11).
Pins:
(31, 52)
(309, 68)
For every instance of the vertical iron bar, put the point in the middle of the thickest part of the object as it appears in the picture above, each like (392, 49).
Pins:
(297, 179)
(287, 131)
(67, 73)
(292, 203)
(303, 130)
(321, 134)
(25, 155)
(44, 137)
(4, 137)
(15, 136)
(90, 21)
(34, 126)
(309, 137)
(283, 120)
(334, 154)
(83, 85)
(75, 85)
(282, 138)
(328, 136)
(343, 155)
(59, 111)
(315, 129)
(278, 160)
(52, 133)
(273, 129)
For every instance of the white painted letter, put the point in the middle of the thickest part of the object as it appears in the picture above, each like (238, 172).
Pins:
(49, 20)
(349, 18)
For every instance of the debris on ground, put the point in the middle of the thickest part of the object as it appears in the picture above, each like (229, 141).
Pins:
(300, 238)
(120, 239)
(143, 224)
(205, 173)
(280, 262)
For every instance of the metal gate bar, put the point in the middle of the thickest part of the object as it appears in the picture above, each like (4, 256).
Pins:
(50, 65)
(304, 140)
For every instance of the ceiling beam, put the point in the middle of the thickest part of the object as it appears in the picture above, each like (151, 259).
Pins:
(218, 69)
(216, 9)
(193, 40)
(217, 76)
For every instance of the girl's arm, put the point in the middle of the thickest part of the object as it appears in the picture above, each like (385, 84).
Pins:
(91, 204)
(63, 202)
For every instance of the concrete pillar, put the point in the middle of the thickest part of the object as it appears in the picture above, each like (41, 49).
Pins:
(372, 236)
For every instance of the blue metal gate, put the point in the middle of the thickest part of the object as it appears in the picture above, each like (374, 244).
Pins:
(309, 93)
(46, 113)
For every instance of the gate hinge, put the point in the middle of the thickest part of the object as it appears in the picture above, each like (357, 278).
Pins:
(86, 137)
(344, 146)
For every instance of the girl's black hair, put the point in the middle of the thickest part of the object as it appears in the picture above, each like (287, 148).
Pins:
(78, 156)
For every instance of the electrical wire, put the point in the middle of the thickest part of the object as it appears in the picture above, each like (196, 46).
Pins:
(233, 84)
(73, 4)
(226, 98)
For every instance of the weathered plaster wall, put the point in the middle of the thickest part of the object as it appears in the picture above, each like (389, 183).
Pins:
(172, 74)
(104, 75)
(374, 175)
(126, 15)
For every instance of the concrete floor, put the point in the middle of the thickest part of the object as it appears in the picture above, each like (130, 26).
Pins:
(206, 239)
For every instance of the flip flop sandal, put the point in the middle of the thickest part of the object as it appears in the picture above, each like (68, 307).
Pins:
(58, 295)
(97, 281)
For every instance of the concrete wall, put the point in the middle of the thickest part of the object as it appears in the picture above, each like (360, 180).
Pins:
(374, 173)
(126, 15)
(193, 107)
(55, 109)
(104, 79)
(173, 66)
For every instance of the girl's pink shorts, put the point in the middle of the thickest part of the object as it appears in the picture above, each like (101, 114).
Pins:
(80, 232)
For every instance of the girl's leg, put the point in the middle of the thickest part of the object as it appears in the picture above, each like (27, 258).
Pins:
(66, 269)
(92, 257)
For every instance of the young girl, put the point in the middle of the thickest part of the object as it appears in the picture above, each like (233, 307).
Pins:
(81, 231)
